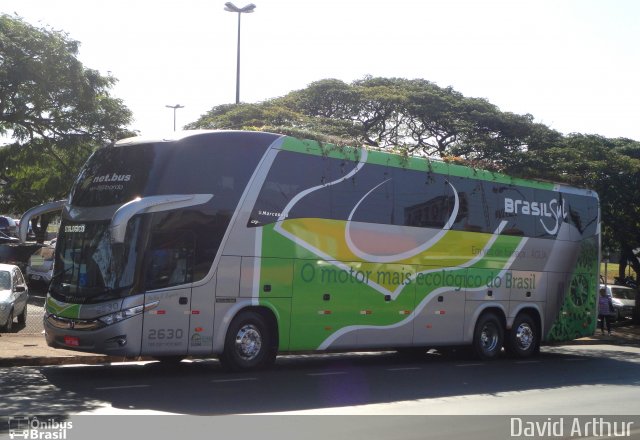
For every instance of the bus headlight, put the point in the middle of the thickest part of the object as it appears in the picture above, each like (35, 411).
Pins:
(121, 315)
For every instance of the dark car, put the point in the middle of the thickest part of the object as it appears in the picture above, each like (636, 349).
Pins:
(40, 267)
(5, 239)
(8, 226)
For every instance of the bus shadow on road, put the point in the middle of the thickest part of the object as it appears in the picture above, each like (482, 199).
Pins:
(319, 381)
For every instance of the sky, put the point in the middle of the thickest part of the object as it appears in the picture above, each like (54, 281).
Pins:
(573, 64)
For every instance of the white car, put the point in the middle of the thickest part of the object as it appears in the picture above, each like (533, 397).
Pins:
(623, 300)
(14, 296)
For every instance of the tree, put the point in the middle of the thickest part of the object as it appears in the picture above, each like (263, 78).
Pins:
(417, 116)
(611, 167)
(53, 112)
(413, 115)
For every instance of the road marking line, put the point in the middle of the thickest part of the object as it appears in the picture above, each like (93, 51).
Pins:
(123, 387)
(330, 373)
(240, 379)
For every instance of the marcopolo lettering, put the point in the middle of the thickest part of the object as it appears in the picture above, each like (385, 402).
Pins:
(112, 178)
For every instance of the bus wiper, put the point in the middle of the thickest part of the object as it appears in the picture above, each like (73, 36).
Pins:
(62, 272)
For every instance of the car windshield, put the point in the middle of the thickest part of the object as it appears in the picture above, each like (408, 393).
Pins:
(623, 293)
(88, 268)
(5, 280)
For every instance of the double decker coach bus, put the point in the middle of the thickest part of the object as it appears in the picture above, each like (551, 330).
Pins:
(245, 244)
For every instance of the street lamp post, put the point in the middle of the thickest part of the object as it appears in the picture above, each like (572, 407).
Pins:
(247, 10)
(174, 107)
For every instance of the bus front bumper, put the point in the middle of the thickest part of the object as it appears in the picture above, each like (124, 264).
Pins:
(120, 339)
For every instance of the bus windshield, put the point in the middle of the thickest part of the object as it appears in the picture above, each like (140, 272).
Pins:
(88, 268)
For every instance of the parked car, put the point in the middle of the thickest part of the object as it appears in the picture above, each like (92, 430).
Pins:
(18, 254)
(623, 300)
(40, 267)
(14, 296)
(5, 239)
(8, 226)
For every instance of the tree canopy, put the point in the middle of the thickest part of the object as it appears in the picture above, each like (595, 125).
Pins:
(53, 113)
(418, 116)
(611, 167)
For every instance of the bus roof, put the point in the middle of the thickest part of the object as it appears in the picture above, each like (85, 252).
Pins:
(423, 163)
(374, 156)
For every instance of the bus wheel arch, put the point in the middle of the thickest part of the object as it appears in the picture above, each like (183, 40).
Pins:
(488, 334)
(523, 339)
(251, 340)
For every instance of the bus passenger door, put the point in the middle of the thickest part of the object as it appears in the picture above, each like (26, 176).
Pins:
(167, 278)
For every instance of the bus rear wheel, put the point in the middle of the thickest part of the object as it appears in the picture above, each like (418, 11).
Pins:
(488, 336)
(523, 340)
(249, 343)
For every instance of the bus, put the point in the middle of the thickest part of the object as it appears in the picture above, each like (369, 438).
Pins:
(242, 245)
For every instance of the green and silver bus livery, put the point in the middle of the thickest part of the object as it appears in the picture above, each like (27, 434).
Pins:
(245, 244)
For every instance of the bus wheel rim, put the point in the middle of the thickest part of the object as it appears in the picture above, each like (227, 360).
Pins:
(489, 337)
(248, 342)
(524, 336)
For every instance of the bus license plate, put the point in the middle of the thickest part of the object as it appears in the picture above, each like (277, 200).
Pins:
(72, 341)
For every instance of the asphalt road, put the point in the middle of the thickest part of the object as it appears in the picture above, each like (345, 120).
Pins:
(597, 379)
(448, 392)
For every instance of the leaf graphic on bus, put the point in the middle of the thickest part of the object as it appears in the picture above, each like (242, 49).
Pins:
(62, 309)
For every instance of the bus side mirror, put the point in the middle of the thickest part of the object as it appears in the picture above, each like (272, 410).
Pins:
(120, 219)
(37, 211)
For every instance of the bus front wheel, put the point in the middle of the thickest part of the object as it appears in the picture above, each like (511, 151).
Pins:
(488, 336)
(249, 343)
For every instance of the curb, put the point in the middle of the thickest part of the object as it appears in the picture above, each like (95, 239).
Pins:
(39, 361)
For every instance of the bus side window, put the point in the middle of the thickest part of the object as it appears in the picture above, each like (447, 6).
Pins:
(169, 259)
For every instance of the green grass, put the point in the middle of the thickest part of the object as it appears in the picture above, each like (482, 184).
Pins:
(612, 271)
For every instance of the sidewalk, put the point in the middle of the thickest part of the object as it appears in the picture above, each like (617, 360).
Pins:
(19, 350)
(22, 350)
(622, 334)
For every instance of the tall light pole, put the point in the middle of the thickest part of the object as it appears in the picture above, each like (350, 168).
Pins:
(174, 107)
(247, 10)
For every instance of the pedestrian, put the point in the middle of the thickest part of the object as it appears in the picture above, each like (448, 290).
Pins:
(605, 311)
